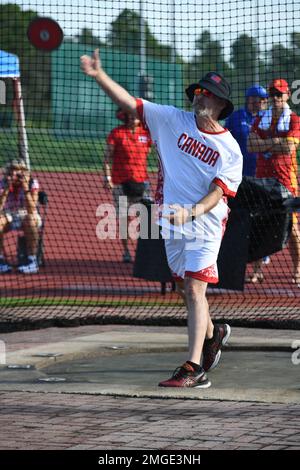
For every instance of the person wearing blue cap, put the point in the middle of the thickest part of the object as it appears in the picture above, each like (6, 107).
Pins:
(240, 122)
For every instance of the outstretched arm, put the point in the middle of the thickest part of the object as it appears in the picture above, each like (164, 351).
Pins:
(92, 67)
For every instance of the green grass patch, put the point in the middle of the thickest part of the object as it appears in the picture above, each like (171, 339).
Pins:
(58, 151)
(13, 302)
(51, 152)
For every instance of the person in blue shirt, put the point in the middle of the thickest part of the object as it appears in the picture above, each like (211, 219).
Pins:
(240, 122)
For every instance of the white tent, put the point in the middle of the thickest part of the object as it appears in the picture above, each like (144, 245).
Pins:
(10, 68)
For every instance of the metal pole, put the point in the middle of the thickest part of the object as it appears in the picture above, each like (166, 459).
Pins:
(19, 109)
(173, 55)
(143, 63)
(256, 68)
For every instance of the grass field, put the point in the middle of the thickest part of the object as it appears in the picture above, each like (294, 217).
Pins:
(12, 302)
(54, 150)
(62, 151)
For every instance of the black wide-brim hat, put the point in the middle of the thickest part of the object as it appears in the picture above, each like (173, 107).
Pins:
(217, 84)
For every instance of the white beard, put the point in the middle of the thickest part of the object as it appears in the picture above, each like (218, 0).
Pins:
(202, 112)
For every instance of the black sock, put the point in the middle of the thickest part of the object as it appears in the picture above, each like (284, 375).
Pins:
(195, 366)
(213, 336)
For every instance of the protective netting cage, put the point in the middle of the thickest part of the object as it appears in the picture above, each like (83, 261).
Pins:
(71, 251)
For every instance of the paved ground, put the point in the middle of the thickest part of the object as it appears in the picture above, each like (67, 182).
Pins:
(55, 421)
(254, 402)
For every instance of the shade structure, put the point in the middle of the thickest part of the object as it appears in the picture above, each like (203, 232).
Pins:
(9, 65)
(10, 68)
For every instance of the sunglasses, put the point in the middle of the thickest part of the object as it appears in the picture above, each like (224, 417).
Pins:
(203, 91)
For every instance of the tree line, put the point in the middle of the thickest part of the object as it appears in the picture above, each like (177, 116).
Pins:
(246, 60)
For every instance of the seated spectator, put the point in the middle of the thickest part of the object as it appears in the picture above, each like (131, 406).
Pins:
(239, 123)
(18, 211)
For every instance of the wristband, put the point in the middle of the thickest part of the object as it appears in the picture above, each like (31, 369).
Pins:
(191, 214)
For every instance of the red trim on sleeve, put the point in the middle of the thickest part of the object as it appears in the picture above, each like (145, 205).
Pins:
(225, 188)
(140, 109)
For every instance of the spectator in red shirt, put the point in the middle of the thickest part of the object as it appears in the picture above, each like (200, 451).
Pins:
(275, 135)
(125, 165)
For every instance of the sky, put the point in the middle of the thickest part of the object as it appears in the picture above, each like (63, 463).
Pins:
(271, 22)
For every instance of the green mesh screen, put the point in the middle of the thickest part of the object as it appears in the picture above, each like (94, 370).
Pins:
(154, 49)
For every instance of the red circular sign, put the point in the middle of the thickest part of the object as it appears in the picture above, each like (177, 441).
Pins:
(45, 34)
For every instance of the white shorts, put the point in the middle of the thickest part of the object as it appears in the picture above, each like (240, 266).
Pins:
(16, 219)
(193, 258)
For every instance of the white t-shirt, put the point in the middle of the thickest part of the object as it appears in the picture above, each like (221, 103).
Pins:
(191, 159)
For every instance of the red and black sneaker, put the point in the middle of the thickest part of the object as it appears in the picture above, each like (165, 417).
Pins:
(212, 347)
(187, 376)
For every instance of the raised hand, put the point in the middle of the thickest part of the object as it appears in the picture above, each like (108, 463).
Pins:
(91, 66)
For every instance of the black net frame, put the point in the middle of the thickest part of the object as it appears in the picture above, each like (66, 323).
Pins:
(155, 50)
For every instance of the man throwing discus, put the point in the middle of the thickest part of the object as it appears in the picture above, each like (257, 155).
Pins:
(201, 166)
